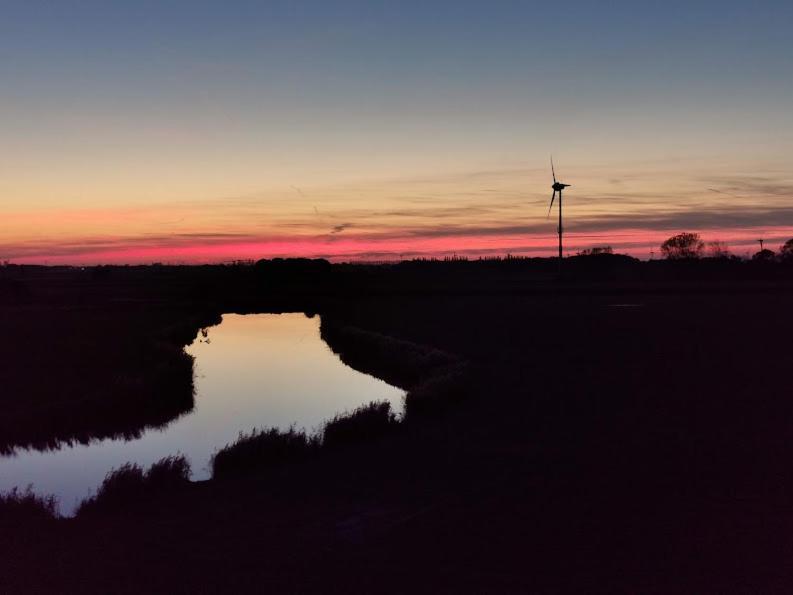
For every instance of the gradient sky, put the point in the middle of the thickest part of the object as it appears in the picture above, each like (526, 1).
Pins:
(199, 131)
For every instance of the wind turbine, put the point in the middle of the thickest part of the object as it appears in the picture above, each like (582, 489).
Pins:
(557, 187)
(762, 241)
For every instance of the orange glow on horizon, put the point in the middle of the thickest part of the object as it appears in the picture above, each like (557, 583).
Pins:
(639, 243)
(473, 213)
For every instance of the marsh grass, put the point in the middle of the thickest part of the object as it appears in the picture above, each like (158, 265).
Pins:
(261, 450)
(173, 471)
(264, 449)
(18, 506)
(131, 487)
(366, 423)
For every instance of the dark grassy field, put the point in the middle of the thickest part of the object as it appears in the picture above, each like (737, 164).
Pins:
(622, 431)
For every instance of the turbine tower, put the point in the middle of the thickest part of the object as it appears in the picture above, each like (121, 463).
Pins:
(557, 187)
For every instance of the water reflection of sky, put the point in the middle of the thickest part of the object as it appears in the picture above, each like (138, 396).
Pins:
(258, 370)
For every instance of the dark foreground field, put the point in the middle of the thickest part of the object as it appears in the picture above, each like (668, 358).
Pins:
(631, 433)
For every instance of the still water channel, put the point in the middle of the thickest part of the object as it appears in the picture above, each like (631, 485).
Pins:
(251, 371)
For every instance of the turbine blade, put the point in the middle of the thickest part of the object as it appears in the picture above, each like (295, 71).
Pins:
(553, 196)
(552, 171)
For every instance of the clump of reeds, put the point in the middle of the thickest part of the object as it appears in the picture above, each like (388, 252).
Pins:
(173, 471)
(265, 448)
(130, 487)
(17, 506)
(262, 449)
(367, 422)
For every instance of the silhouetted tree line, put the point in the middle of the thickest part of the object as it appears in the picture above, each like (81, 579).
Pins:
(690, 246)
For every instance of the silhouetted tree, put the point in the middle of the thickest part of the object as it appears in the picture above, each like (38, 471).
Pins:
(718, 249)
(765, 255)
(597, 250)
(683, 246)
(786, 251)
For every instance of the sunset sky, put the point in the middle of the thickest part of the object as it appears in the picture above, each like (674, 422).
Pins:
(196, 131)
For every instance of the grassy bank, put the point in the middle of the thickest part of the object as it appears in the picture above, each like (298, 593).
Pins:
(434, 379)
(261, 450)
(84, 374)
(18, 507)
(265, 449)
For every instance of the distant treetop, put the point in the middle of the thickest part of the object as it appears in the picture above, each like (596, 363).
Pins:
(718, 249)
(786, 250)
(597, 250)
(683, 246)
(764, 255)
